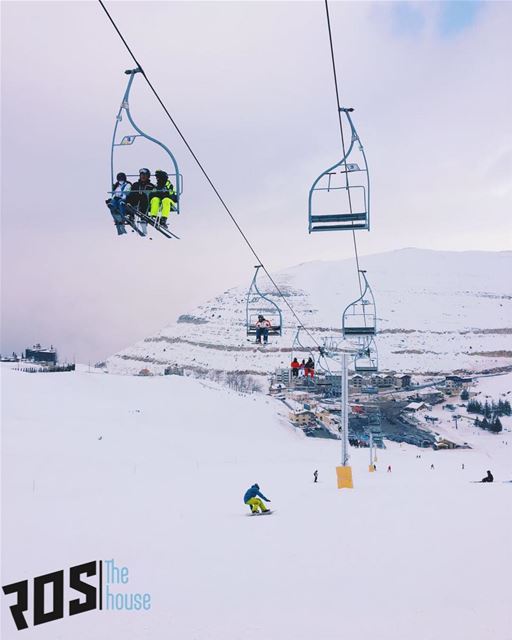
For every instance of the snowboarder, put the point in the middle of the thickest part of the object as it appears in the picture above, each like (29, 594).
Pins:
(315, 475)
(253, 499)
(117, 203)
(262, 327)
(163, 200)
(488, 478)
(295, 365)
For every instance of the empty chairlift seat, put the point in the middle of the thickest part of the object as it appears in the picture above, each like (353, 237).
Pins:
(366, 359)
(359, 317)
(339, 199)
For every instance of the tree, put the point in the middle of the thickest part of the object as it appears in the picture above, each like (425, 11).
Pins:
(474, 407)
(495, 425)
(464, 395)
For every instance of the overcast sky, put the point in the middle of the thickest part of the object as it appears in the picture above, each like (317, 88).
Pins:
(250, 85)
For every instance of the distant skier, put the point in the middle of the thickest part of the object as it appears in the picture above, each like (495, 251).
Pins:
(315, 475)
(295, 365)
(302, 368)
(117, 203)
(389, 468)
(253, 499)
(432, 466)
(262, 327)
(488, 478)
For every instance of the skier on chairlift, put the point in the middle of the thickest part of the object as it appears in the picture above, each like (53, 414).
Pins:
(137, 197)
(262, 327)
(163, 200)
(117, 203)
(309, 369)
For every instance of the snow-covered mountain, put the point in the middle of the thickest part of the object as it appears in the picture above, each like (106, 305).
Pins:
(437, 312)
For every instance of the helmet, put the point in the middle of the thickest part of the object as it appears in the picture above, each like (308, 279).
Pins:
(145, 172)
(121, 177)
(161, 174)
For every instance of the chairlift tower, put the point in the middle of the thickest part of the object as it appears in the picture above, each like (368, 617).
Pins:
(344, 470)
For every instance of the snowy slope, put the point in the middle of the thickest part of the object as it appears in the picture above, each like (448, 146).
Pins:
(416, 553)
(437, 312)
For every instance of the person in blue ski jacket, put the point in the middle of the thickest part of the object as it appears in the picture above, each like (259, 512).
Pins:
(117, 203)
(252, 498)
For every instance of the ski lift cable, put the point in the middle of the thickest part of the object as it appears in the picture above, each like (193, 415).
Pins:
(204, 172)
(335, 75)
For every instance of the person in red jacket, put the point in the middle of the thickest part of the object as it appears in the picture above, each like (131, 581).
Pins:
(310, 368)
(295, 365)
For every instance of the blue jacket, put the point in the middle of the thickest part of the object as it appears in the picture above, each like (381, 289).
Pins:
(253, 492)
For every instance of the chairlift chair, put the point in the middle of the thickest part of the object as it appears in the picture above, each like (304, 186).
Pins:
(259, 304)
(120, 142)
(366, 360)
(360, 317)
(339, 199)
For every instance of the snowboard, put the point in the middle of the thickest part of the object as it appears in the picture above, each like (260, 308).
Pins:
(261, 513)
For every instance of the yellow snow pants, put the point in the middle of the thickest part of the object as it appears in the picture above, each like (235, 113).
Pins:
(256, 503)
(155, 207)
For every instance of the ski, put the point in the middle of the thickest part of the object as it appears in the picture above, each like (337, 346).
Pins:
(132, 224)
(152, 221)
